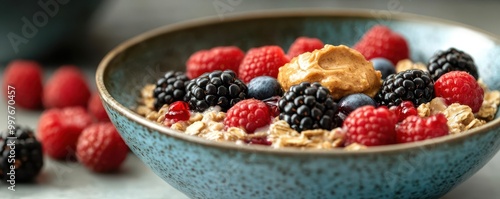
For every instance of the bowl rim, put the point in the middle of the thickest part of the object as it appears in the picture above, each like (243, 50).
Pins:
(278, 13)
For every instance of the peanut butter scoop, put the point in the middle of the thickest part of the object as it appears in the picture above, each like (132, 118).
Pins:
(341, 69)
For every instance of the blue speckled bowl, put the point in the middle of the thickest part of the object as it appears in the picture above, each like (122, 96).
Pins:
(206, 169)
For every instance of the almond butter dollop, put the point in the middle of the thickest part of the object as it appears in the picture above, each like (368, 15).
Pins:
(341, 69)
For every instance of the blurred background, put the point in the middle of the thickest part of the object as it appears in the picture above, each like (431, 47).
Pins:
(82, 32)
(56, 32)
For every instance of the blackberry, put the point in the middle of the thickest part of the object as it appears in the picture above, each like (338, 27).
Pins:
(309, 106)
(411, 85)
(451, 60)
(218, 88)
(170, 88)
(25, 153)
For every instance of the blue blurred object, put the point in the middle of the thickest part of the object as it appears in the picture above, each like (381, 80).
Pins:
(33, 29)
(384, 66)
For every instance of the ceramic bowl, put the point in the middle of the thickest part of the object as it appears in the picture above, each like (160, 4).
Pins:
(207, 169)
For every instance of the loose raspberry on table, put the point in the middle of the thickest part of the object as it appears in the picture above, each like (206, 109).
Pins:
(404, 110)
(96, 108)
(415, 128)
(248, 114)
(100, 148)
(460, 87)
(304, 44)
(217, 58)
(67, 87)
(22, 81)
(59, 129)
(262, 61)
(370, 126)
(380, 41)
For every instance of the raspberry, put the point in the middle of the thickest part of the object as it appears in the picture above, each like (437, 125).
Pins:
(370, 126)
(59, 129)
(415, 128)
(67, 87)
(248, 114)
(263, 61)
(460, 87)
(304, 44)
(100, 148)
(380, 41)
(404, 110)
(25, 80)
(217, 58)
(27, 154)
(177, 111)
(96, 108)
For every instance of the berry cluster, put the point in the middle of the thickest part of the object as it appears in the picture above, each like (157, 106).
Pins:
(244, 85)
(71, 113)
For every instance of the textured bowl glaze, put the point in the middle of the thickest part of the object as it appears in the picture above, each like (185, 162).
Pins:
(206, 169)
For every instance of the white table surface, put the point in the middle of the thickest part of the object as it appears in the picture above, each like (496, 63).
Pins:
(119, 20)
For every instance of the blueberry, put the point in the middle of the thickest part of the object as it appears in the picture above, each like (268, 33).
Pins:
(264, 87)
(384, 66)
(351, 102)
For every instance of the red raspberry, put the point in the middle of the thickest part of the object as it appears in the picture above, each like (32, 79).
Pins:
(248, 114)
(25, 80)
(404, 110)
(263, 61)
(370, 126)
(100, 148)
(460, 87)
(380, 41)
(67, 87)
(59, 129)
(177, 111)
(304, 44)
(218, 58)
(96, 108)
(415, 128)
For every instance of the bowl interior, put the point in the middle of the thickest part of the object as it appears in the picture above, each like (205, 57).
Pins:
(145, 58)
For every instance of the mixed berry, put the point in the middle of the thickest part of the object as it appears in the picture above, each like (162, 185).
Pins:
(72, 121)
(246, 88)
